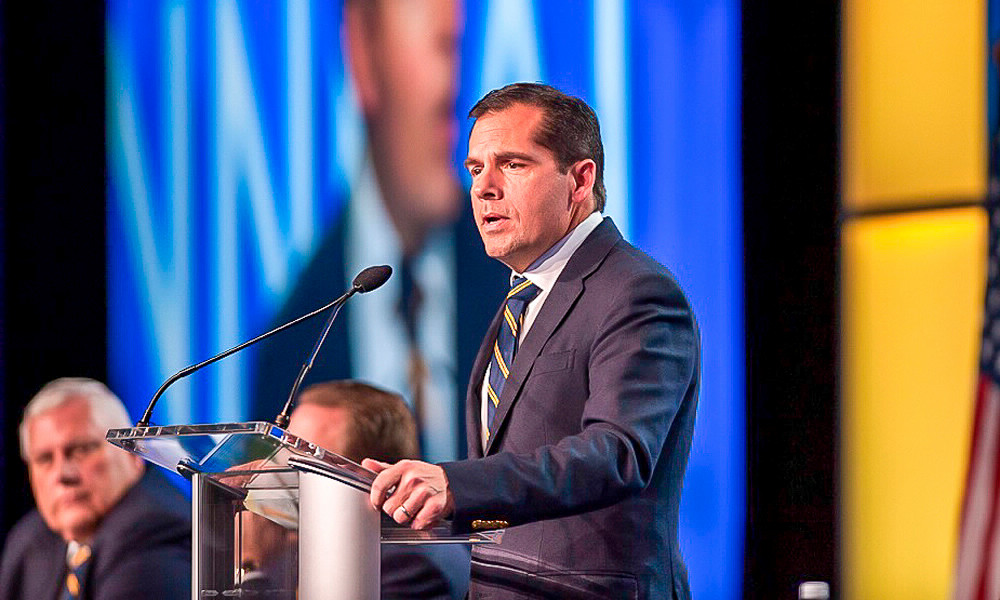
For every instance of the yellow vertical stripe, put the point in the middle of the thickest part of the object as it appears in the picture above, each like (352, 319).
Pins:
(914, 89)
(912, 293)
(914, 134)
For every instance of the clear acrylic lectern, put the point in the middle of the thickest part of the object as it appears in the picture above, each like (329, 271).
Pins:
(275, 516)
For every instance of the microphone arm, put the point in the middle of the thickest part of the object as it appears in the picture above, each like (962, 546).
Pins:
(366, 281)
(282, 419)
(360, 285)
(144, 422)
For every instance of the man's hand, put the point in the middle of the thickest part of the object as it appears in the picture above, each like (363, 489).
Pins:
(419, 494)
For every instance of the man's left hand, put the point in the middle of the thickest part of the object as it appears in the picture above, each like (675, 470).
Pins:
(419, 494)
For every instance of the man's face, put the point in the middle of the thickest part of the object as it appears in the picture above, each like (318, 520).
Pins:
(522, 201)
(323, 425)
(76, 476)
(415, 57)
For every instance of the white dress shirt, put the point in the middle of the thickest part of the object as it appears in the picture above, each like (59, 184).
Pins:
(543, 273)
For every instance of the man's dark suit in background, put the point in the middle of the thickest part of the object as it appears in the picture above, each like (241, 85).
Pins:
(141, 550)
(403, 62)
(478, 283)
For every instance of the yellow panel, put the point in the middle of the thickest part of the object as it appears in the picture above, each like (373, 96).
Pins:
(912, 290)
(914, 98)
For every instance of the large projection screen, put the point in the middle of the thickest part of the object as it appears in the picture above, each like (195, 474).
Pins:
(236, 138)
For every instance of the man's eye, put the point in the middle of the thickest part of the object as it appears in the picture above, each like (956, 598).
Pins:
(81, 450)
(42, 460)
(514, 165)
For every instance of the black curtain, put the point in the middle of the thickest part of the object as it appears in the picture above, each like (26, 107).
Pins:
(791, 124)
(53, 322)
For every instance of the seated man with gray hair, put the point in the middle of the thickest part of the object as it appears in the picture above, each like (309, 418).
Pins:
(102, 528)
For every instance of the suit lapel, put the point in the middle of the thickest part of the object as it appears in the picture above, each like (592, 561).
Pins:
(557, 305)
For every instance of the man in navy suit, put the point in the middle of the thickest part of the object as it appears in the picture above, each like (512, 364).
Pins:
(578, 436)
(102, 529)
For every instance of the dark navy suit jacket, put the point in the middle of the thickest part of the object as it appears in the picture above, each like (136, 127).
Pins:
(142, 549)
(592, 436)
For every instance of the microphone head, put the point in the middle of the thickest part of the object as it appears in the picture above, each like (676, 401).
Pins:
(372, 278)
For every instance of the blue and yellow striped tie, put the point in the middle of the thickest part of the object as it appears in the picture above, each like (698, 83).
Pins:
(521, 293)
(76, 564)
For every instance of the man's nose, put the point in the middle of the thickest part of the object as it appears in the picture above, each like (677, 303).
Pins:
(487, 185)
(67, 470)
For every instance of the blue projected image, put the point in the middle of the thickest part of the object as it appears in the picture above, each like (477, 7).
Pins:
(248, 146)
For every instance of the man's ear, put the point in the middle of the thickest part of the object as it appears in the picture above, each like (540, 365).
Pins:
(584, 174)
(357, 46)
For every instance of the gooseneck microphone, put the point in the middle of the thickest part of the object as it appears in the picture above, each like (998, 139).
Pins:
(366, 281)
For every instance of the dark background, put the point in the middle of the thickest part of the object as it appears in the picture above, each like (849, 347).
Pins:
(791, 187)
(54, 318)
(52, 276)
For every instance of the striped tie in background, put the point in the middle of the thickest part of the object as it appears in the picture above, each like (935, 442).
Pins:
(76, 562)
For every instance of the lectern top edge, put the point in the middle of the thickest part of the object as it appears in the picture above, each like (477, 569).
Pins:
(257, 463)
(220, 448)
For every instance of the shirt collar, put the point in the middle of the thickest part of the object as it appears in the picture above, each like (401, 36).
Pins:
(546, 269)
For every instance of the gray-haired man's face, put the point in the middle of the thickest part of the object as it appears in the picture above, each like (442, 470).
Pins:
(76, 476)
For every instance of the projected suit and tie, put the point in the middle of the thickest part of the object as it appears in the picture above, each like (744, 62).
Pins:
(419, 333)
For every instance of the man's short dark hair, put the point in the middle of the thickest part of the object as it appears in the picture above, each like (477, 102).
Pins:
(569, 127)
(380, 425)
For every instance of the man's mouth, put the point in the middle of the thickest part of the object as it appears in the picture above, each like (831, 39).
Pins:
(491, 218)
(73, 497)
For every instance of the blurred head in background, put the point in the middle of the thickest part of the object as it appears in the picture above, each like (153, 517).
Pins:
(76, 476)
(403, 57)
(352, 419)
(356, 420)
